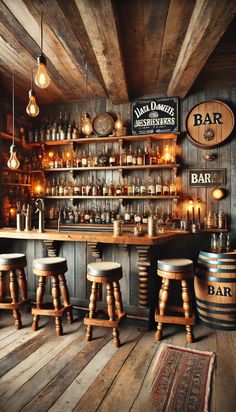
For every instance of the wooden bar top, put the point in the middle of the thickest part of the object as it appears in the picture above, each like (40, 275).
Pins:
(125, 238)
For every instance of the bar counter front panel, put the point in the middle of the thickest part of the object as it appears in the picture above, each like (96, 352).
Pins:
(136, 254)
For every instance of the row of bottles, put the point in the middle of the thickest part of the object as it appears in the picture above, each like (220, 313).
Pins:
(123, 187)
(106, 215)
(216, 220)
(103, 158)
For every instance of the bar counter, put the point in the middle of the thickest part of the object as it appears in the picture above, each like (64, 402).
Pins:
(97, 245)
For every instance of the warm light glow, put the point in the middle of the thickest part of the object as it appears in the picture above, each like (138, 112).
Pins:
(12, 212)
(32, 109)
(87, 126)
(218, 193)
(190, 205)
(13, 163)
(118, 125)
(50, 155)
(38, 188)
(42, 79)
(167, 154)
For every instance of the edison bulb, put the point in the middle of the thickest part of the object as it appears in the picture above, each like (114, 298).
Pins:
(13, 163)
(42, 79)
(167, 154)
(87, 127)
(32, 109)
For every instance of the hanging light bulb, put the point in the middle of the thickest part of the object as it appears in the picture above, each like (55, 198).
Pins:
(13, 163)
(42, 79)
(32, 109)
(87, 127)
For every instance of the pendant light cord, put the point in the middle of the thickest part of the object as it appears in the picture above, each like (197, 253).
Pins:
(41, 32)
(13, 109)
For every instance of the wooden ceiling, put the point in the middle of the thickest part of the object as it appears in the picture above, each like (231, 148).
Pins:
(133, 48)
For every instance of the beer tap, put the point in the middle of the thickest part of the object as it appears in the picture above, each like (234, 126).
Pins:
(39, 203)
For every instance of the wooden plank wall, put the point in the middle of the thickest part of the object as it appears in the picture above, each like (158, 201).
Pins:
(188, 247)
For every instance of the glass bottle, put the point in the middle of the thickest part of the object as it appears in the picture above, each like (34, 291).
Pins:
(153, 159)
(112, 159)
(166, 188)
(61, 188)
(139, 158)
(158, 186)
(84, 159)
(173, 188)
(129, 159)
(146, 156)
(137, 215)
(103, 159)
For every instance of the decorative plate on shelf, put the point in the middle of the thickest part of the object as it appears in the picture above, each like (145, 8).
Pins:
(103, 124)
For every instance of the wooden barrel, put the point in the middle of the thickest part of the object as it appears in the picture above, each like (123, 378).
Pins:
(215, 289)
(209, 123)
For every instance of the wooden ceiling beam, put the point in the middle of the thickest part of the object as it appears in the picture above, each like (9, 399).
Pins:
(208, 23)
(14, 26)
(54, 17)
(100, 22)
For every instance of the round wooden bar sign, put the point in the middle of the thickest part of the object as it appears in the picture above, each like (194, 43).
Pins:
(209, 123)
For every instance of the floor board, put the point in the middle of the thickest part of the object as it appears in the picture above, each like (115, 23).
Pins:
(41, 372)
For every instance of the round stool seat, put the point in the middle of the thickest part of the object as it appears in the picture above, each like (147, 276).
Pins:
(49, 265)
(175, 265)
(104, 269)
(14, 259)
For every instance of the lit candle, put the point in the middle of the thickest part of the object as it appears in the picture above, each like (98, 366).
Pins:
(199, 215)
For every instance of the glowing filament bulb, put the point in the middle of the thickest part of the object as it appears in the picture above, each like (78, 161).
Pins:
(42, 79)
(13, 163)
(167, 154)
(32, 108)
(118, 125)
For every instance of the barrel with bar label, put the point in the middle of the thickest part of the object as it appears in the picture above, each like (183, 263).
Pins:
(215, 289)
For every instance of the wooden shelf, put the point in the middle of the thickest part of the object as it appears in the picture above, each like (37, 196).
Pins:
(83, 169)
(109, 139)
(15, 171)
(113, 197)
(9, 137)
(15, 184)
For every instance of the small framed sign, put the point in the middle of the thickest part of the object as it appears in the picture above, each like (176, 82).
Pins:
(207, 177)
(157, 115)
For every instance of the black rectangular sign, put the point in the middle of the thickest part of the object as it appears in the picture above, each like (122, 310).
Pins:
(207, 177)
(157, 115)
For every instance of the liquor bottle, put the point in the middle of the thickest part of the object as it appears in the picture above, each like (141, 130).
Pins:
(84, 159)
(89, 187)
(153, 158)
(83, 187)
(61, 132)
(145, 216)
(139, 158)
(127, 214)
(104, 158)
(95, 159)
(124, 187)
(54, 132)
(173, 188)
(158, 155)
(129, 159)
(51, 160)
(76, 188)
(123, 160)
(151, 187)
(57, 161)
(69, 132)
(105, 189)
(135, 157)
(108, 215)
(79, 159)
(131, 187)
(143, 188)
(74, 132)
(111, 189)
(99, 188)
(66, 189)
(92, 215)
(166, 188)
(89, 160)
(137, 216)
(68, 160)
(118, 189)
(103, 215)
(158, 186)
(48, 189)
(112, 159)
(54, 191)
(146, 156)
(61, 188)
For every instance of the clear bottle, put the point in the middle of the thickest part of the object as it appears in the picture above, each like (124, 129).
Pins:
(146, 156)
(84, 162)
(214, 243)
(166, 188)
(139, 158)
(158, 186)
(173, 188)
(129, 159)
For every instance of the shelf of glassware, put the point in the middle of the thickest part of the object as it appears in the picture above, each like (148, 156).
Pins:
(118, 167)
(109, 139)
(135, 197)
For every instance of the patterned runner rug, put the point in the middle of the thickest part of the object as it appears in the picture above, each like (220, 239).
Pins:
(180, 380)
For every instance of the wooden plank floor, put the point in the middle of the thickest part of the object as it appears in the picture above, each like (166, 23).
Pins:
(41, 372)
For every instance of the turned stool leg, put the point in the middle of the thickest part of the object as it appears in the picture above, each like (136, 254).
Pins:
(39, 301)
(111, 312)
(65, 296)
(187, 309)
(92, 309)
(163, 297)
(14, 297)
(2, 285)
(118, 300)
(22, 284)
(56, 303)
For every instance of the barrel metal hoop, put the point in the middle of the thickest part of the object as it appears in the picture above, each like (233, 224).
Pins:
(217, 270)
(215, 279)
(216, 326)
(219, 255)
(220, 312)
(217, 321)
(219, 305)
(218, 262)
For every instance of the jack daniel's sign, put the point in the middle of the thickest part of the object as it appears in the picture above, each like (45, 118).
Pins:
(157, 115)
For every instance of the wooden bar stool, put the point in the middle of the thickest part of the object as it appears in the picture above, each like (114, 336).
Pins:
(13, 264)
(108, 273)
(175, 269)
(54, 267)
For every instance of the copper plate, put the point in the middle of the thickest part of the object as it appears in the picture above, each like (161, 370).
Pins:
(103, 124)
